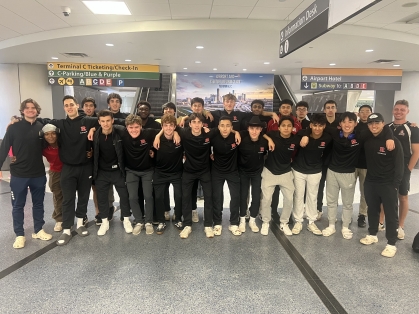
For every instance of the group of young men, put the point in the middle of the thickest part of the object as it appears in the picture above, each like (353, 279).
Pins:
(258, 151)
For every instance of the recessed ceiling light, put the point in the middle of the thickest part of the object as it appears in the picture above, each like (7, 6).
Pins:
(199, 47)
(215, 69)
(107, 7)
(273, 70)
(127, 60)
(260, 75)
(197, 61)
(185, 68)
(265, 62)
(54, 58)
(109, 45)
(244, 69)
(396, 65)
(332, 64)
(369, 50)
(185, 75)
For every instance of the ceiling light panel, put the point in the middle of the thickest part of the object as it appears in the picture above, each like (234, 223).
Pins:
(107, 7)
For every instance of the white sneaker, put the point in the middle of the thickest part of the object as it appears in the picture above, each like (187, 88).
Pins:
(149, 228)
(137, 229)
(58, 226)
(314, 229)
(319, 215)
(167, 216)
(265, 228)
(381, 227)
(127, 226)
(347, 233)
(389, 251)
(298, 226)
(186, 232)
(242, 226)
(234, 230)
(195, 217)
(369, 239)
(400, 235)
(104, 227)
(253, 226)
(285, 229)
(209, 232)
(217, 230)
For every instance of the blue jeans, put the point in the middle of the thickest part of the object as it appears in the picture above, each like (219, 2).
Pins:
(19, 191)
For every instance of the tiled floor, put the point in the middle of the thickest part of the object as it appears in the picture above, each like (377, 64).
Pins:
(121, 273)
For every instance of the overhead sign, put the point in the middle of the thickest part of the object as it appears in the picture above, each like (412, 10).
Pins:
(320, 17)
(350, 79)
(86, 74)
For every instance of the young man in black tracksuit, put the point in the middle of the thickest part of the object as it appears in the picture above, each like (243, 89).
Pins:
(361, 168)
(197, 146)
(114, 101)
(168, 170)
(307, 170)
(385, 173)
(139, 166)
(27, 171)
(252, 151)
(224, 168)
(109, 171)
(76, 175)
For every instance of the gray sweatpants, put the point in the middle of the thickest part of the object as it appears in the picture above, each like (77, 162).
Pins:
(286, 184)
(344, 182)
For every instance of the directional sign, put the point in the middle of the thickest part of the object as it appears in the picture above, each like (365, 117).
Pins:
(85, 74)
(320, 17)
(347, 79)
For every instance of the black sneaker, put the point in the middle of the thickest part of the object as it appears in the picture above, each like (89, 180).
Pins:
(98, 220)
(110, 214)
(85, 221)
(361, 221)
(160, 229)
(179, 225)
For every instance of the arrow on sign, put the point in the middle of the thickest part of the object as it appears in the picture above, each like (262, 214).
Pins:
(50, 65)
(51, 81)
(304, 78)
(306, 86)
(51, 73)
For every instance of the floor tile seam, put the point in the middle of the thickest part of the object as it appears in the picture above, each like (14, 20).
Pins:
(16, 266)
(311, 277)
(5, 193)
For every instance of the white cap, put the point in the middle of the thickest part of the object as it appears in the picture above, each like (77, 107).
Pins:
(49, 128)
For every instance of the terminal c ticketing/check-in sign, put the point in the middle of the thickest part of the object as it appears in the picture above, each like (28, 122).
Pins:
(320, 17)
(350, 79)
(94, 74)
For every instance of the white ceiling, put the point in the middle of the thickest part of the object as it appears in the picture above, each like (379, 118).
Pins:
(236, 34)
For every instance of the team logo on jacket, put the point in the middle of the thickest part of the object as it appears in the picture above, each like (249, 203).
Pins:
(291, 147)
(233, 145)
(83, 129)
(353, 141)
(143, 142)
(206, 141)
(234, 118)
(382, 151)
(401, 133)
(262, 149)
(323, 144)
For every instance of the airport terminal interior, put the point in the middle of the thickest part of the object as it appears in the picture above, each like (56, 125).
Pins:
(208, 48)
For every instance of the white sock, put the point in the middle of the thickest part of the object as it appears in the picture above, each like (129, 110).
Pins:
(79, 222)
(126, 218)
(243, 220)
(252, 219)
(67, 231)
(104, 220)
(332, 227)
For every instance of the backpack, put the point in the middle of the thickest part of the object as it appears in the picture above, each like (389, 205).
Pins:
(415, 245)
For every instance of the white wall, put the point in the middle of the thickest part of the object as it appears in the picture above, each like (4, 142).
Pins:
(19, 82)
(410, 92)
